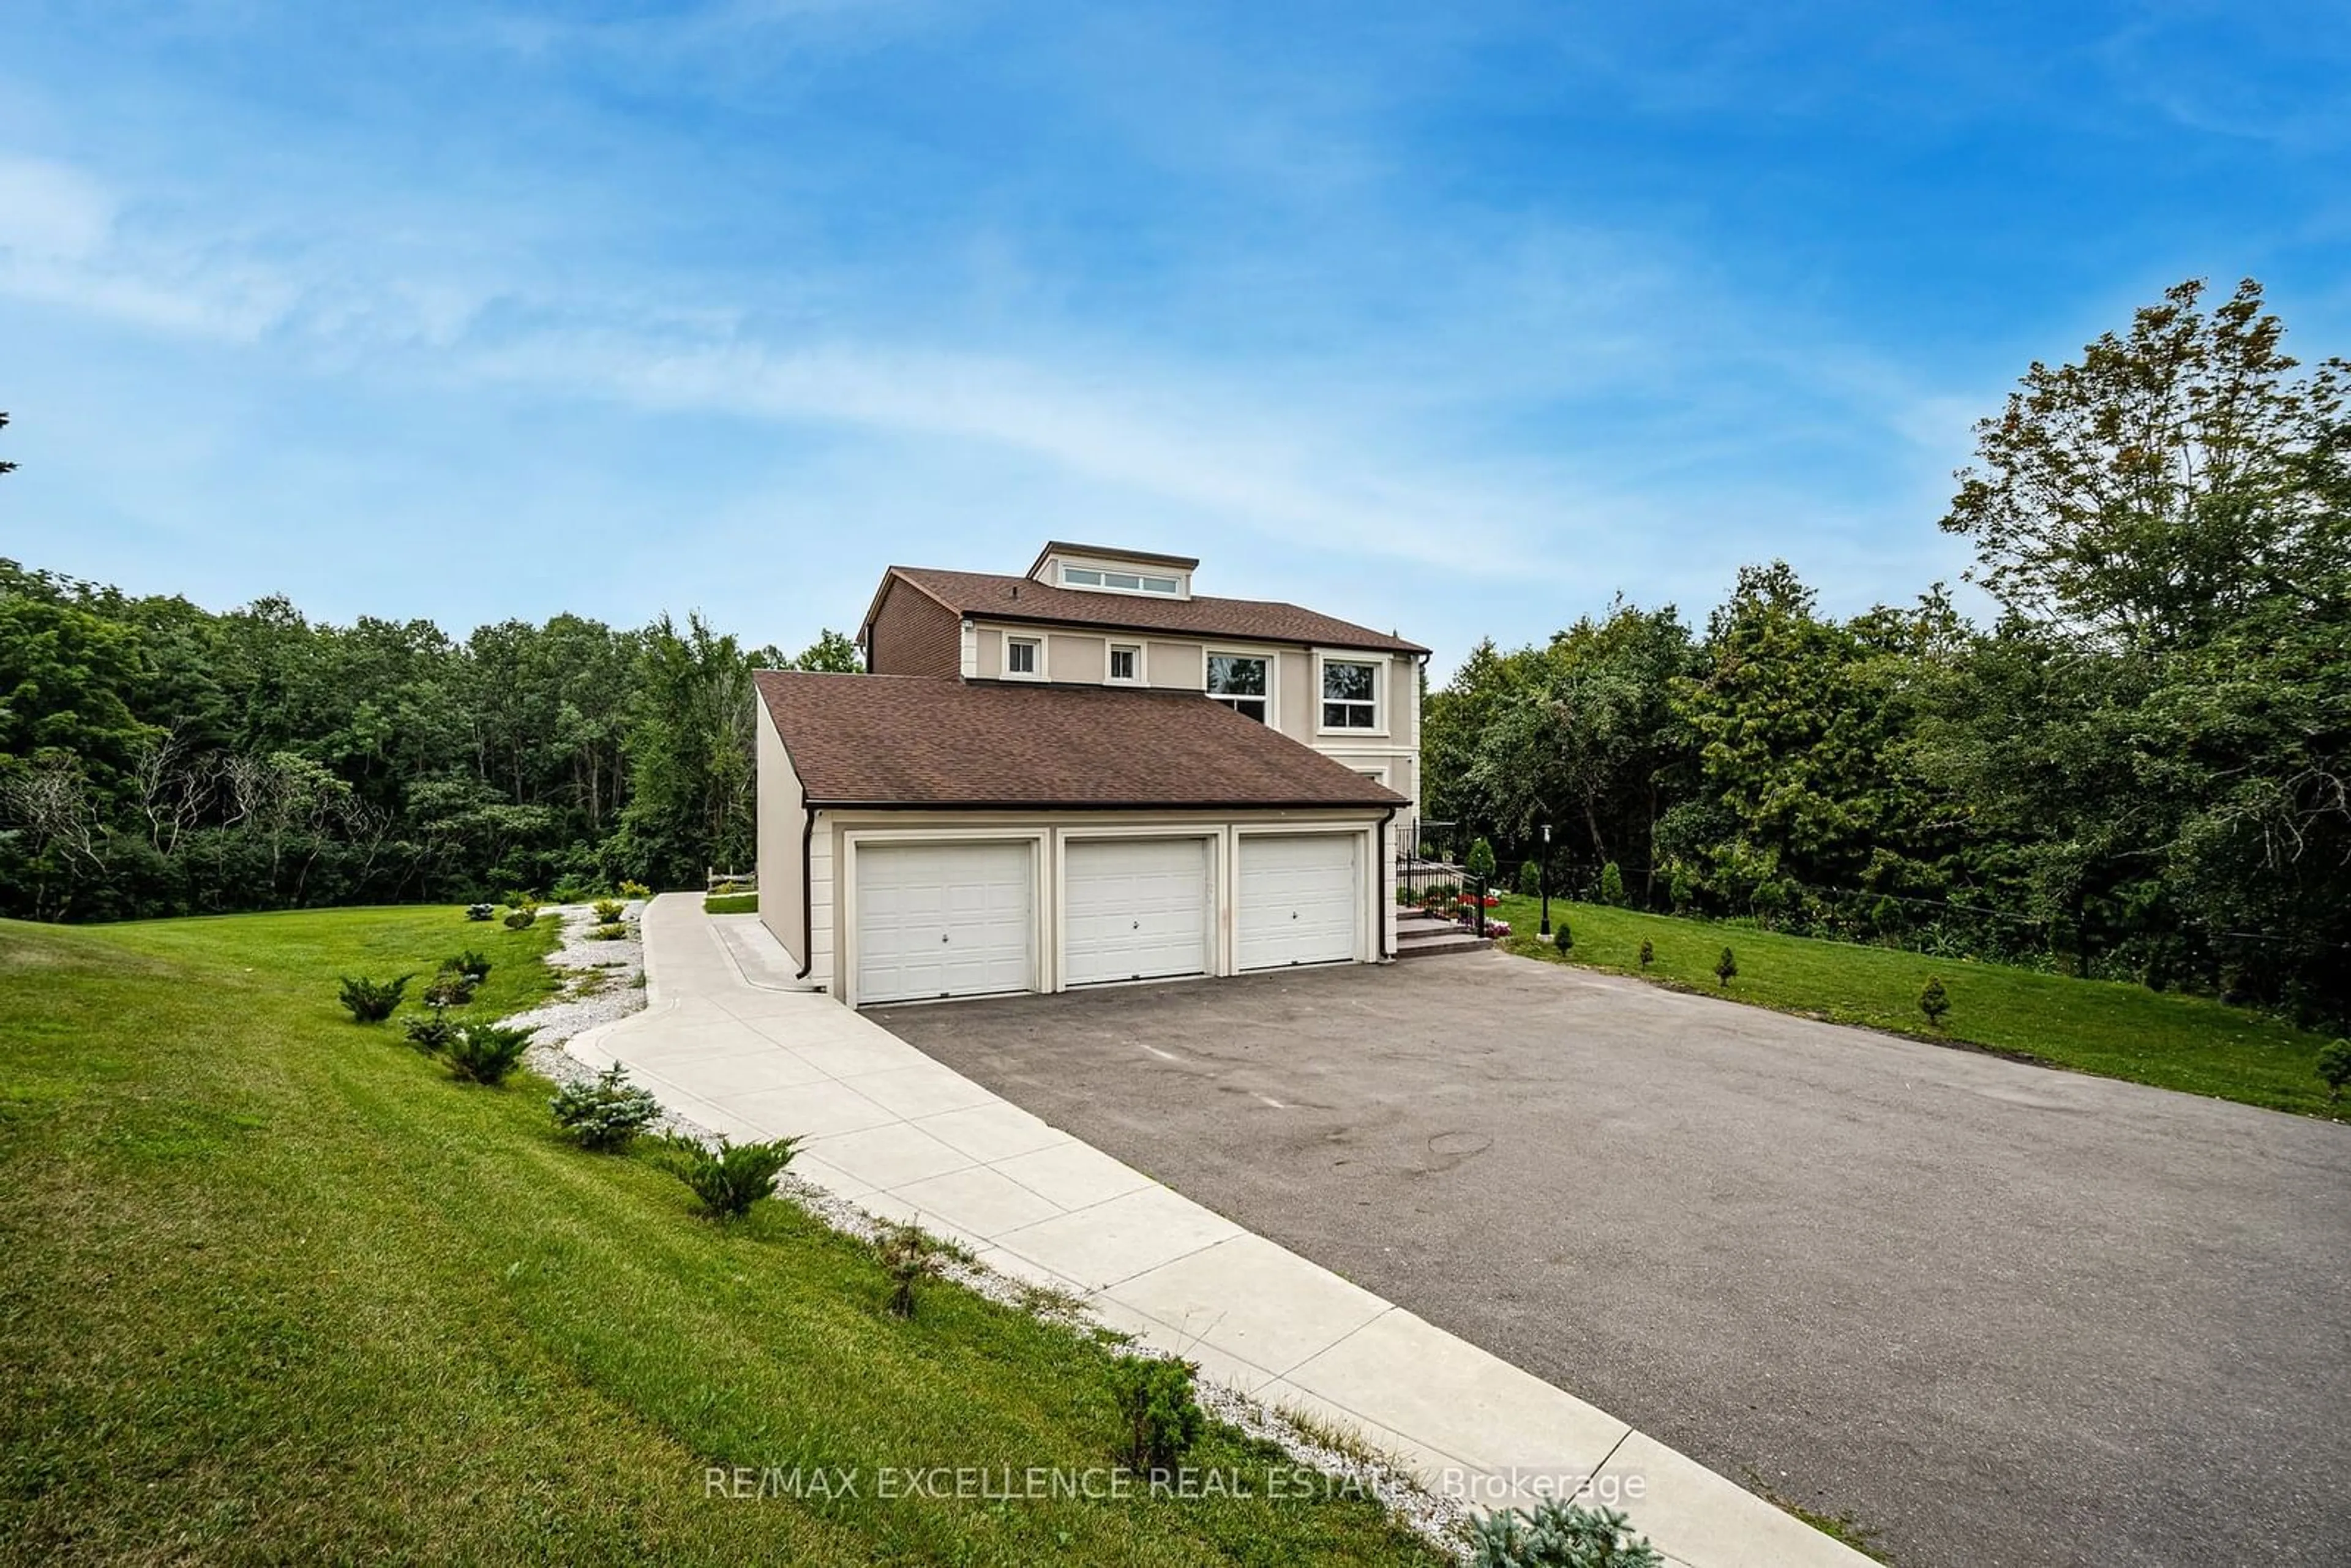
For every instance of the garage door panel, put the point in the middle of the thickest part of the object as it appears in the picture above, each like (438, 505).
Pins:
(1301, 897)
(1135, 909)
(943, 919)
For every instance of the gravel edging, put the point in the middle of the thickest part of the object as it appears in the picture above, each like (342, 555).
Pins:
(605, 983)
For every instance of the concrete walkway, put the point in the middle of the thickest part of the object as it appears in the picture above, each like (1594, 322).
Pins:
(728, 1040)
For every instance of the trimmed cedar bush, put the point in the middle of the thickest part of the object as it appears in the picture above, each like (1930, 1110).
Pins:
(372, 1001)
(1934, 1001)
(605, 1112)
(1562, 937)
(1648, 953)
(1726, 968)
(907, 1260)
(1530, 878)
(1611, 885)
(1481, 863)
(729, 1178)
(1158, 1419)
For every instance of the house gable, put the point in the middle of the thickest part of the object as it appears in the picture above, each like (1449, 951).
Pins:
(909, 633)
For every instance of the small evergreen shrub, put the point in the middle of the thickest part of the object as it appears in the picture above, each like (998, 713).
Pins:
(730, 1178)
(1530, 878)
(1648, 953)
(448, 989)
(1559, 1535)
(606, 1114)
(2335, 1069)
(430, 1033)
(372, 1001)
(1611, 885)
(1159, 1420)
(569, 892)
(907, 1259)
(1562, 937)
(1481, 863)
(486, 1052)
(1726, 968)
(1934, 1001)
(479, 912)
(612, 933)
(635, 890)
(475, 966)
(608, 911)
(522, 918)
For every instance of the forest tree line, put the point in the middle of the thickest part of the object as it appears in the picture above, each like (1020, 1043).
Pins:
(158, 759)
(2138, 771)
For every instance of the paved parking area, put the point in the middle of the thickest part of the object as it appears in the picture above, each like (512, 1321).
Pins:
(2000, 1314)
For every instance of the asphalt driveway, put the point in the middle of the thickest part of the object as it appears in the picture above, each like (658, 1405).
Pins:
(1998, 1314)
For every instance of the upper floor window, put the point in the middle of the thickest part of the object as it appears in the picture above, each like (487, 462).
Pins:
(1126, 662)
(1021, 655)
(1125, 581)
(1241, 681)
(1350, 694)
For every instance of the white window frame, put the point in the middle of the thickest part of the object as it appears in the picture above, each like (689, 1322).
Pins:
(1269, 657)
(1111, 651)
(1379, 667)
(1011, 641)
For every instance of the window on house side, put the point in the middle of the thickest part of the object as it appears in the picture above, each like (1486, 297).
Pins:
(1125, 663)
(1240, 682)
(1019, 657)
(1349, 693)
(1126, 581)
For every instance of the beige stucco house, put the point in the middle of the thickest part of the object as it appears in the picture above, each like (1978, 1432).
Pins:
(1084, 775)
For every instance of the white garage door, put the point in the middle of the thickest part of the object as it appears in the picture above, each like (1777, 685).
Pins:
(1137, 909)
(1299, 899)
(942, 920)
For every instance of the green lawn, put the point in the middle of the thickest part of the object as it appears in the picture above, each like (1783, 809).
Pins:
(2116, 1031)
(278, 1290)
(731, 904)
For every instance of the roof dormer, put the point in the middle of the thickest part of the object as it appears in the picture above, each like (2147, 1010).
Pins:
(1094, 569)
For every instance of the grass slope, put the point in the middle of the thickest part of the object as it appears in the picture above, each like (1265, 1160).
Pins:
(731, 904)
(278, 1288)
(2116, 1031)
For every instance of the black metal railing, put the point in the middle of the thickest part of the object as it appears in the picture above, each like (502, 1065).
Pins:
(1430, 878)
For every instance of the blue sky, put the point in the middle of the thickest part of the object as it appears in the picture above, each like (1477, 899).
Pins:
(1452, 318)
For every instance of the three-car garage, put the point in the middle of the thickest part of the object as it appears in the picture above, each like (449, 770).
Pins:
(935, 913)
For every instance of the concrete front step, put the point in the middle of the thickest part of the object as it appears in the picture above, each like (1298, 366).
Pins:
(1456, 940)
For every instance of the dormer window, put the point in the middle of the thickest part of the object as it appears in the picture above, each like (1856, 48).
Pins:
(1122, 581)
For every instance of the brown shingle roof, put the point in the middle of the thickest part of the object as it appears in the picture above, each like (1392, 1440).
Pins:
(1265, 620)
(927, 740)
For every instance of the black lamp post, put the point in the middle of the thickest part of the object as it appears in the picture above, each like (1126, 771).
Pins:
(1542, 877)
